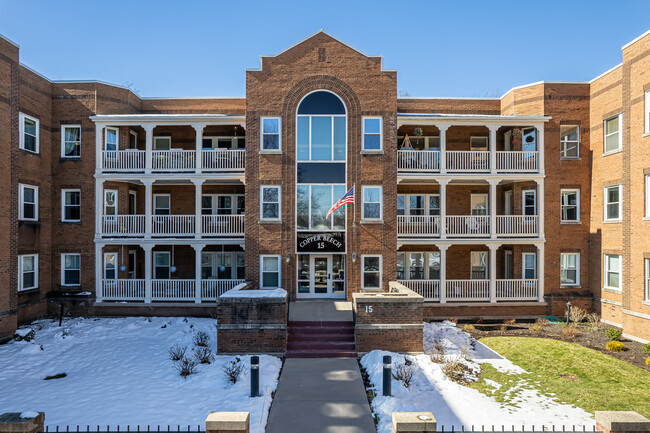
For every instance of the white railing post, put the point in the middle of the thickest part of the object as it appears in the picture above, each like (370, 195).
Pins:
(540, 148)
(443, 207)
(148, 146)
(443, 272)
(198, 127)
(98, 273)
(493, 272)
(147, 272)
(99, 127)
(198, 185)
(540, 208)
(540, 272)
(443, 147)
(147, 206)
(99, 206)
(493, 207)
(493, 147)
(198, 248)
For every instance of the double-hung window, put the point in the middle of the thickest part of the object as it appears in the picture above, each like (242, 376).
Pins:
(70, 269)
(418, 266)
(647, 111)
(371, 272)
(570, 269)
(27, 272)
(570, 203)
(29, 133)
(613, 204)
(71, 205)
(647, 195)
(569, 141)
(647, 280)
(270, 136)
(613, 136)
(612, 271)
(270, 272)
(372, 133)
(28, 198)
(70, 141)
(372, 203)
(270, 202)
(111, 139)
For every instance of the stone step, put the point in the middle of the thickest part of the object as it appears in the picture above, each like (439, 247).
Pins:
(321, 345)
(324, 324)
(320, 354)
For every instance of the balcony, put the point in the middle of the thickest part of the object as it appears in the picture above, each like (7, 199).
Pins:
(467, 226)
(467, 161)
(475, 290)
(172, 290)
(173, 225)
(173, 160)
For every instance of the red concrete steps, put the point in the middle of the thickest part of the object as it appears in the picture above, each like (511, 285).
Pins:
(321, 339)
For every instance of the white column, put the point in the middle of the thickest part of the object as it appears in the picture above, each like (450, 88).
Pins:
(443, 207)
(493, 207)
(493, 271)
(198, 229)
(540, 208)
(147, 272)
(98, 273)
(493, 147)
(540, 147)
(198, 127)
(198, 248)
(99, 140)
(540, 272)
(148, 146)
(99, 207)
(443, 147)
(147, 206)
(443, 273)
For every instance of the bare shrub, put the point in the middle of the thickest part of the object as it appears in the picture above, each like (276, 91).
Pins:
(201, 339)
(453, 320)
(569, 332)
(510, 322)
(404, 372)
(503, 327)
(469, 327)
(536, 328)
(594, 321)
(457, 371)
(577, 314)
(541, 322)
(438, 354)
(177, 352)
(185, 366)
(464, 353)
(203, 355)
(233, 369)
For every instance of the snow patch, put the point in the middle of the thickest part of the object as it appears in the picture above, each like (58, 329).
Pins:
(23, 331)
(29, 414)
(237, 292)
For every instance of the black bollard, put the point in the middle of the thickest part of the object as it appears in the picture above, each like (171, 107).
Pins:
(61, 315)
(388, 367)
(255, 376)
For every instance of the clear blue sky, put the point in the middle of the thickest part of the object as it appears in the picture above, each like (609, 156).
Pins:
(451, 48)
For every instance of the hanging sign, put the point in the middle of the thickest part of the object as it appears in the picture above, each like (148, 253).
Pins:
(318, 242)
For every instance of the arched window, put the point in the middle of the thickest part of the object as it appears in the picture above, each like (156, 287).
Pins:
(321, 127)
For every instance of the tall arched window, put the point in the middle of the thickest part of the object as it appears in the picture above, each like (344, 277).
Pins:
(321, 127)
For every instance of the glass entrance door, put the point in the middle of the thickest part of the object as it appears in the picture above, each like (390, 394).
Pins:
(321, 276)
(322, 283)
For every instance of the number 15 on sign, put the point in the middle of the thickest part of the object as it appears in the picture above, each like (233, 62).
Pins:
(368, 309)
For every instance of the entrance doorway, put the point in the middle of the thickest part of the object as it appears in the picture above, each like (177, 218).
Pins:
(321, 276)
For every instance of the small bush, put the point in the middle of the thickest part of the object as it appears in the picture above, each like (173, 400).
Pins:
(510, 322)
(503, 327)
(404, 372)
(577, 314)
(594, 320)
(177, 352)
(536, 328)
(647, 361)
(22, 336)
(233, 369)
(646, 349)
(201, 339)
(469, 327)
(185, 366)
(614, 334)
(457, 371)
(569, 332)
(615, 346)
(541, 322)
(438, 355)
(203, 355)
(453, 320)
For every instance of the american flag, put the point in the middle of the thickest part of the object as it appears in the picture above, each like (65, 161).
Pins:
(348, 198)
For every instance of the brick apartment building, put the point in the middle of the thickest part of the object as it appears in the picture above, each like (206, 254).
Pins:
(488, 207)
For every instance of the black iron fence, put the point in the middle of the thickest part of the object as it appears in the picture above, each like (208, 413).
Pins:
(123, 429)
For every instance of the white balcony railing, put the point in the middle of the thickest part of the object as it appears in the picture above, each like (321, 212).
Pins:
(223, 159)
(123, 225)
(468, 290)
(516, 290)
(517, 225)
(213, 288)
(173, 290)
(173, 225)
(173, 160)
(428, 289)
(222, 225)
(468, 160)
(418, 160)
(468, 226)
(123, 160)
(122, 290)
(418, 225)
(516, 162)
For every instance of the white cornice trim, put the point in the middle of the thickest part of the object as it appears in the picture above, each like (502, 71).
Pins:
(606, 72)
(9, 40)
(635, 40)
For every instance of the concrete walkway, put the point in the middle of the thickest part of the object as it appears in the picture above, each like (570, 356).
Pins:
(320, 395)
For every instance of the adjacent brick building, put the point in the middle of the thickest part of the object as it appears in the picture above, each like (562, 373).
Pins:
(503, 207)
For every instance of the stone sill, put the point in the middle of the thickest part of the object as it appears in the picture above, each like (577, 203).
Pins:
(608, 290)
(371, 221)
(570, 158)
(270, 152)
(485, 304)
(612, 221)
(269, 222)
(614, 152)
(372, 152)
(569, 223)
(28, 291)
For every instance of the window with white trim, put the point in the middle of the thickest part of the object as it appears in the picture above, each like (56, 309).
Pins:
(647, 111)
(570, 205)
(418, 266)
(162, 143)
(27, 272)
(569, 141)
(372, 202)
(162, 204)
(270, 136)
(612, 271)
(270, 202)
(529, 266)
(529, 202)
(372, 133)
(70, 269)
(371, 272)
(270, 272)
(647, 195)
(29, 133)
(71, 205)
(570, 269)
(70, 141)
(28, 202)
(613, 136)
(111, 137)
(647, 279)
(613, 204)
(162, 265)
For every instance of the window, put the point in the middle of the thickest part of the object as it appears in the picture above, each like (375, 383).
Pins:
(529, 202)
(161, 265)
(28, 198)
(71, 205)
(372, 198)
(29, 133)
(111, 139)
(222, 265)
(133, 203)
(313, 202)
(372, 133)
(418, 266)
(647, 279)
(479, 204)
(270, 266)
(613, 271)
(270, 137)
(70, 141)
(478, 143)
(27, 272)
(647, 196)
(321, 128)
(110, 266)
(161, 204)
(570, 203)
(133, 140)
(132, 265)
(613, 137)
(162, 143)
(529, 140)
(479, 265)
(529, 266)
(110, 202)
(647, 111)
(570, 269)
(270, 202)
(371, 275)
(613, 203)
(569, 141)
(70, 269)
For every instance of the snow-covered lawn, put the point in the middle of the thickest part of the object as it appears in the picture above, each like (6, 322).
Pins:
(119, 372)
(457, 405)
